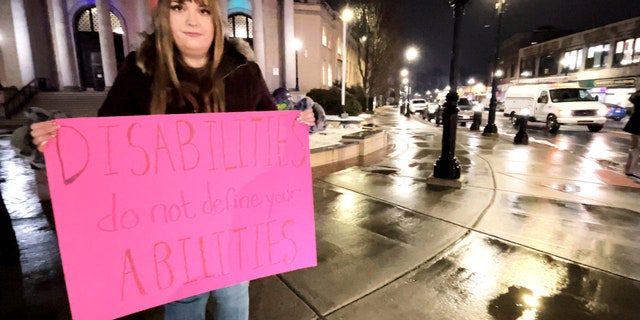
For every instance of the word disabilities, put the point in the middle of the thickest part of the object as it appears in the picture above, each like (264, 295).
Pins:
(151, 209)
(156, 146)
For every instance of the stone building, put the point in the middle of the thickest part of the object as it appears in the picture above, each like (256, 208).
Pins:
(605, 59)
(79, 44)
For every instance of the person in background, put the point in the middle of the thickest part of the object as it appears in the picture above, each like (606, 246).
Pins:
(283, 100)
(186, 65)
(633, 127)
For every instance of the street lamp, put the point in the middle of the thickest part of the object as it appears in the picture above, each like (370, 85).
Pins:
(491, 129)
(404, 91)
(411, 54)
(447, 166)
(346, 16)
(297, 45)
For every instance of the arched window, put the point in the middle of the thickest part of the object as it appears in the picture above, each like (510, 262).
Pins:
(87, 39)
(241, 26)
(88, 22)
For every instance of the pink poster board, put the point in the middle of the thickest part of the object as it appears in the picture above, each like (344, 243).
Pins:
(151, 209)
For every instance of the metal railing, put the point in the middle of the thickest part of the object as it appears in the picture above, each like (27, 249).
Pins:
(16, 102)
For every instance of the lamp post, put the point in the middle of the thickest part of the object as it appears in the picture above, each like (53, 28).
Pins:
(411, 54)
(491, 129)
(404, 74)
(297, 45)
(346, 16)
(447, 166)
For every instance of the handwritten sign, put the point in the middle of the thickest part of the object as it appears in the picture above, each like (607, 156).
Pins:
(151, 209)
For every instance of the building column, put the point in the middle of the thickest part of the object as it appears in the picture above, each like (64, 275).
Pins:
(289, 50)
(258, 34)
(224, 12)
(67, 68)
(107, 49)
(24, 55)
(143, 15)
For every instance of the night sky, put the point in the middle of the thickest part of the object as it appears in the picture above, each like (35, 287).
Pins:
(428, 24)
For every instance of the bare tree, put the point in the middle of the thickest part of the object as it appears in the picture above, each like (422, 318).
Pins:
(377, 47)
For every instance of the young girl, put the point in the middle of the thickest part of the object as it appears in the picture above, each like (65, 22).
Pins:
(187, 66)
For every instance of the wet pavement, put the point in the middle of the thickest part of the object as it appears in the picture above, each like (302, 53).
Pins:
(535, 233)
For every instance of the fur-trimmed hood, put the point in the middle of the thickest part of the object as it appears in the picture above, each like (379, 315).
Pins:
(244, 85)
(237, 52)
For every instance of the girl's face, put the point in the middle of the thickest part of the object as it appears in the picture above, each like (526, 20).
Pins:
(192, 30)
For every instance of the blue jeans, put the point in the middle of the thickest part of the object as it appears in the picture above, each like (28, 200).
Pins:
(232, 303)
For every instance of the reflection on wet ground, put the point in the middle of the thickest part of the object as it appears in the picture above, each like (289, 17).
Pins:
(485, 278)
(34, 284)
(377, 229)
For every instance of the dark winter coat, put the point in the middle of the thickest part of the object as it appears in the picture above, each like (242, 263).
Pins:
(245, 89)
(633, 125)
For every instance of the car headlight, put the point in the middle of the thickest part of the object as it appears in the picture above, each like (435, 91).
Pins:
(602, 111)
(564, 113)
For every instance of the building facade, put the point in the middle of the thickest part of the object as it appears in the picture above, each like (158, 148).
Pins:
(79, 44)
(605, 59)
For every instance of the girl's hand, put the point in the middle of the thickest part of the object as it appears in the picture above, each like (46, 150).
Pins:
(307, 117)
(42, 132)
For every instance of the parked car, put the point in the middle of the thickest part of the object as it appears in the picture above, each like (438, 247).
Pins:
(466, 111)
(417, 105)
(615, 111)
(487, 105)
(432, 111)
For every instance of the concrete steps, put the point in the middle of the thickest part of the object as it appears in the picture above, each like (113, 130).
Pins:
(75, 104)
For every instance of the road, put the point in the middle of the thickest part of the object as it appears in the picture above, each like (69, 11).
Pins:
(609, 147)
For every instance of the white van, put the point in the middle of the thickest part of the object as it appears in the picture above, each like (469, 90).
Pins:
(556, 104)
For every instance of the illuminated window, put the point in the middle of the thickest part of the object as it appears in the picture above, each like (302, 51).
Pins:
(527, 67)
(597, 56)
(339, 46)
(88, 22)
(329, 76)
(324, 37)
(548, 65)
(636, 52)
(323, 74)
(572, 60)
(241, 26)
(626, 53)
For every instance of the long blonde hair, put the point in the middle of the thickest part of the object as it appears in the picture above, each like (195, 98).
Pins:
(158, 55)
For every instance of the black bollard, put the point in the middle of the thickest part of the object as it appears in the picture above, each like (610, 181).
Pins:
(477, 119)
(447, 166)
(522, 137)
